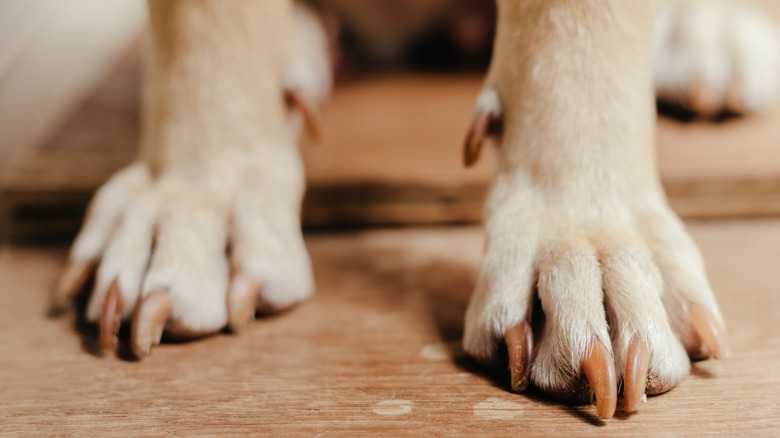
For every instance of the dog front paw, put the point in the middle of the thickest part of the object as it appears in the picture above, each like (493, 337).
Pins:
(204, 230)
(624, 298)
(711, 57)
(187, 261)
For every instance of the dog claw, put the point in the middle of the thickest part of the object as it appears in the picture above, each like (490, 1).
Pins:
(519, 343)
(149, 321)
(709, 331)
(72, 281)
(110, 317)
(474, 139)
(242, 302)
(311, 117)
(635, 379)
(487, 121)
(704, 100)
(599, 369)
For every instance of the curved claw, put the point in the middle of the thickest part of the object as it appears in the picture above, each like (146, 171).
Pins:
(149, 321)
(110, 317)
(72, 281)
(242, 302)
(708, 329)
(635, 379)
(704, 99)
(520, 346)
(294, 98)
(487, 122)
(475, 137)
(599, 369)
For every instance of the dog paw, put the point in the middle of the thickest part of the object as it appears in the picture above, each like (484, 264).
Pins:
(174, 258)
(204, 230)
(713, 57)
(624, 299)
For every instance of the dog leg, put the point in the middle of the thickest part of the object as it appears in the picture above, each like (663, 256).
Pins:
(714, 56)
(576, 213)
(205, 225)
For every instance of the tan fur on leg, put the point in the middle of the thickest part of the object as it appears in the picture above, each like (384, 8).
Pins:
(219, 167)
(576, 203)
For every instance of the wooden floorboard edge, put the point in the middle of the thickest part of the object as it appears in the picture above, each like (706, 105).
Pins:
(38, 214)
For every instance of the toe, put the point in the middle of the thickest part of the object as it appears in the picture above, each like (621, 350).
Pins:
(570, 290)
(102, 216)
(504, 292)
(126, 257)
(708, 330)
(633, 289)
(277, 262)
(190, 262)
(268, 251)
(105, 210)
(685, 283)
(242, 301)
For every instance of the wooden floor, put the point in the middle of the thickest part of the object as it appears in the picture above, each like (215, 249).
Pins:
(375, 352)
(390, 154)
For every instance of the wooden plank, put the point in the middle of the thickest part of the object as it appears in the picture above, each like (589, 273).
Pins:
(374, 353)
(390, 155)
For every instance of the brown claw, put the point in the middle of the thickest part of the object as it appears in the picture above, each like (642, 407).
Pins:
(311, 117)
(242, 302)
(704, 99)
(110, 317)
(520, 343)
(599, 369)
(149, 321)
(475, 137)
(72, 281)
(708, 329)
(635, 379)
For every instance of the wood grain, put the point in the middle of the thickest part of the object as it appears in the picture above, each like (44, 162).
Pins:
(374, 353)
(391, 154)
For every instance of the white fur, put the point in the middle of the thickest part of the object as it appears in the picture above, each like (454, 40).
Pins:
(725, 47)
(310, 68)
(105, 210)
(127, 255)
(488, 102)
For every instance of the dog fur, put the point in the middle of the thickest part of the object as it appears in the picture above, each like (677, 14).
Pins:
(576, 210)
(576, 213)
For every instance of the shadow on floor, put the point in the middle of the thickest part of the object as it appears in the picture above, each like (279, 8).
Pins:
(441, 288)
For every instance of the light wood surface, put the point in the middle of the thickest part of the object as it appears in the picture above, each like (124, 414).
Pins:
(391, 154)
(374, 353)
